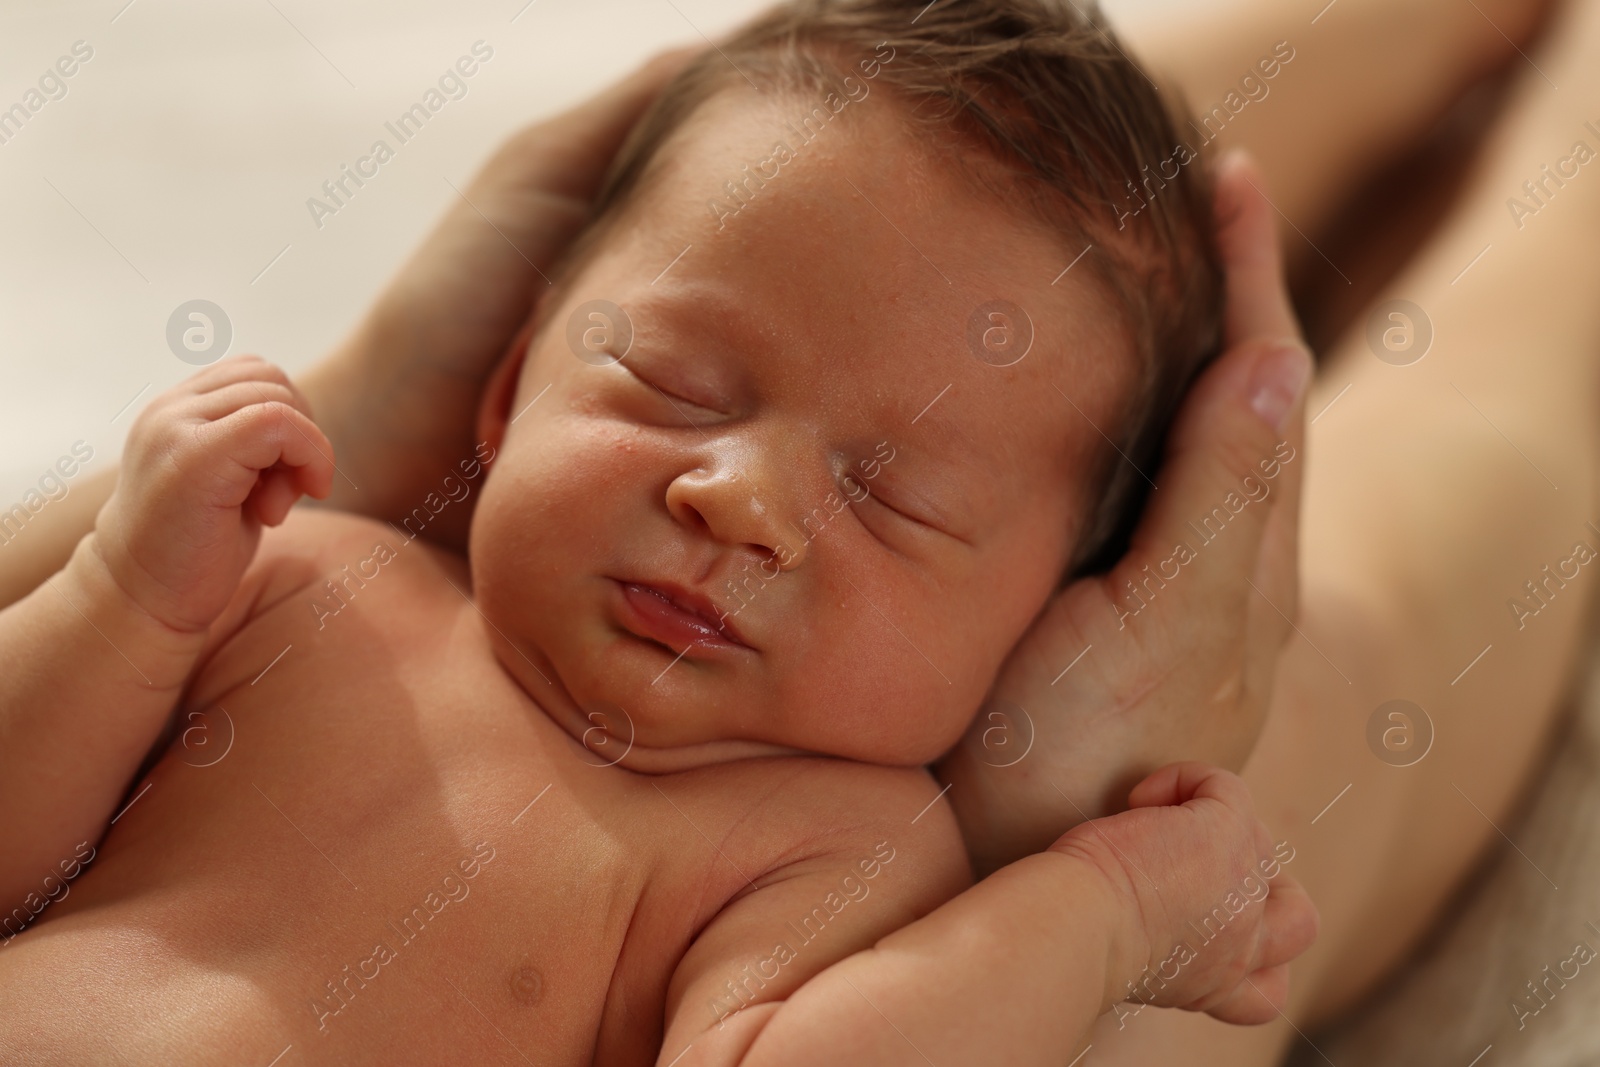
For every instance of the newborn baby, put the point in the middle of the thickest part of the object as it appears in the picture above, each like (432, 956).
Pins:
(877, 318)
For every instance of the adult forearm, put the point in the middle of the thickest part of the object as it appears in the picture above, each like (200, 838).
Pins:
(395, 436)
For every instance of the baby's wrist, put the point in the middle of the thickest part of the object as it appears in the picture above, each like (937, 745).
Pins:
(1117, 915)
(160, 656)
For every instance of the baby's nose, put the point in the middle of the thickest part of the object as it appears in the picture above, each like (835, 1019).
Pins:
(735, 508)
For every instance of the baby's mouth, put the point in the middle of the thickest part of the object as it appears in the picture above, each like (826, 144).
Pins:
(677, 618)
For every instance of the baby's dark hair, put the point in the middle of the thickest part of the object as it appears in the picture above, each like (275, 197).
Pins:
(1080, 134)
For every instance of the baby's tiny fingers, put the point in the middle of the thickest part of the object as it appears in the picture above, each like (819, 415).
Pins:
(273, 496)
(226, 372)
(223, 401)
(1260, 998)
(1179, 783)
(1161, 788)
(258, 436)
(1290, 922)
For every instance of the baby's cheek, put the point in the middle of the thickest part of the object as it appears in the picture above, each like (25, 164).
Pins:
(568, 462)
(870, 691)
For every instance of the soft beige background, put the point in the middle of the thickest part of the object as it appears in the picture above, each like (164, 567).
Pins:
(191, 142)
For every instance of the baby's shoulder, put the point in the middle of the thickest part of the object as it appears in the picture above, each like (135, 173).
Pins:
(823, 811)
(313, 539)
(319, 555)
(314, 546)
(835, 835)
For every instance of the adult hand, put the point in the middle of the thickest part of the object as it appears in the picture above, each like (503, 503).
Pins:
(1171, 655)
(399, 397)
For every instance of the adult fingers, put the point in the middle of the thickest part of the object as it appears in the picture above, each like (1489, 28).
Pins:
(1247, 238)
(1260, 312)
(567, 154)
(1227, 508)
(1204, 527)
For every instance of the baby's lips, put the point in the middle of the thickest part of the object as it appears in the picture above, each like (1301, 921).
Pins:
(679, 616)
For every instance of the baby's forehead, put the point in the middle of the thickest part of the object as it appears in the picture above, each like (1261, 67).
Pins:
(851, 264)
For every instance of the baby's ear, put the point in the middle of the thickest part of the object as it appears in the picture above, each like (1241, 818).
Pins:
(494, 408)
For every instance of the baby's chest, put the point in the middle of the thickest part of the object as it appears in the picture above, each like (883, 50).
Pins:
(363, 813)
(439, 843)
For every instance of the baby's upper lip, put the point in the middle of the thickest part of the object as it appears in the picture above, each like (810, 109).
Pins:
(695, 603)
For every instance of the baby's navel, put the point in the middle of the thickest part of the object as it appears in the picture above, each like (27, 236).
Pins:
(527, 985)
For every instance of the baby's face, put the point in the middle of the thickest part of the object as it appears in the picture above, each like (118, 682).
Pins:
(800, 513)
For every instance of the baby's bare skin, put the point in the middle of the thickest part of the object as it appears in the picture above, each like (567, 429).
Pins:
(404, 744)
(388, 763)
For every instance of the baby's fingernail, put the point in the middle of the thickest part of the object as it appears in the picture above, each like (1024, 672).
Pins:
(1279, 378)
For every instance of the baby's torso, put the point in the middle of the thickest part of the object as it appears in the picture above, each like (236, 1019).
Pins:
(367, 845)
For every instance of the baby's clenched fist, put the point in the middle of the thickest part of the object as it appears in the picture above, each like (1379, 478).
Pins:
(1210, 922)
(206, 465)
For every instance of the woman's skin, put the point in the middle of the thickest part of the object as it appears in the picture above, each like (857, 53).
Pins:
(1433, 493)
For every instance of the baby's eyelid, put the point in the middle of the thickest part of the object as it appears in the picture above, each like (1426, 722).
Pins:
(671, 397)
(868, 493)
(674, 397)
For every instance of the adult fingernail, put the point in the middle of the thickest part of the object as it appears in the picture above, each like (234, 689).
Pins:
(1277, 382)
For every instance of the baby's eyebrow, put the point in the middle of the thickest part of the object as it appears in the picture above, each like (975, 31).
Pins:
(697, 310)
(698, 338)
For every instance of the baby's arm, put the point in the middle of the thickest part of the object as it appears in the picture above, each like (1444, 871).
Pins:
(1016, 969)
(93, 661)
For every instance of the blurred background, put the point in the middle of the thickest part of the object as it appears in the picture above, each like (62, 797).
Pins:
(178, 164)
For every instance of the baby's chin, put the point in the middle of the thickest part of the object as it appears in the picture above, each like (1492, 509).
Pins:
(664, 734)
(643, 759)
(625, 701)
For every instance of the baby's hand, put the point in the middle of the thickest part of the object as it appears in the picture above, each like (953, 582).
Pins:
(1210, 921)
(206, 464)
